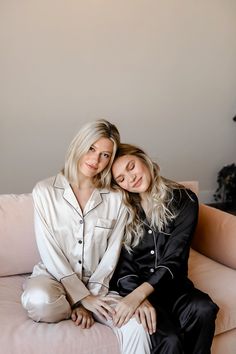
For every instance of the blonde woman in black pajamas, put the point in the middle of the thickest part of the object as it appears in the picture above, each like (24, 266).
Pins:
(153, 266)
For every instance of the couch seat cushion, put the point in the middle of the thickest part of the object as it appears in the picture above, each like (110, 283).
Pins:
(219, 282)
(21, 335)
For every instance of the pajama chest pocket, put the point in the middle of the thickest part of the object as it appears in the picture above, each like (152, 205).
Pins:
(103, 229)
(104, 224)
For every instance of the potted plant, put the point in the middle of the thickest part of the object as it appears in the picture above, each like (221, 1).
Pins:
(226, 191)
(225, 194)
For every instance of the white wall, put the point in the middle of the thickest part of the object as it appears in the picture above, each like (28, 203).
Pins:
(162, 70)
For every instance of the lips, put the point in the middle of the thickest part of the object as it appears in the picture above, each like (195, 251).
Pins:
(91, 167)
(138, 183)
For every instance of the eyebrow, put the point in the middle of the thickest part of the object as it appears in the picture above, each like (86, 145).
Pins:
(95, 146)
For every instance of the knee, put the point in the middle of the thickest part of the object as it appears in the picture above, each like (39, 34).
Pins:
(44, 305)
(166, 343)
(206, 310)
(172, 343)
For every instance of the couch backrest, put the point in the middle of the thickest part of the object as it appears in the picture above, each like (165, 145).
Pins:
(193, 185)
(215, 235)
(18, 250)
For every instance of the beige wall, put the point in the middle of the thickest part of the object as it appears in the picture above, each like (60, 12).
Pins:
(163, 70)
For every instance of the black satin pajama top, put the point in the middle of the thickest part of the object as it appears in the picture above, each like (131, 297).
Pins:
(161, 258)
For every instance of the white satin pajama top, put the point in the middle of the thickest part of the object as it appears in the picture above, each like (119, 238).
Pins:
(78, 249)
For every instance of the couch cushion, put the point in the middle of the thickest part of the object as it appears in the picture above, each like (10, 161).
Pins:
(21, 335)
(219, 282)
(215, 235)
(193, 185)
(18, 251)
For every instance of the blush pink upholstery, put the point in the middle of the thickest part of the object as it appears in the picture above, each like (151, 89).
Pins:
(212, 267)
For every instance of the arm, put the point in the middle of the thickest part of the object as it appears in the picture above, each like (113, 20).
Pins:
(51, 253)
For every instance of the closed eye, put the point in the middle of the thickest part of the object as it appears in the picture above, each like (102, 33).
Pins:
(131, 166)
(120, 180)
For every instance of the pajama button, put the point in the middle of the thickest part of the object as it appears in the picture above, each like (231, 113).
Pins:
(81, 221)
(151, 270)
(150, 231)
(152, 251)
(79, 262)
(80, 241)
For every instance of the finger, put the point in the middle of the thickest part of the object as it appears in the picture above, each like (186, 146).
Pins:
(149, 322)
(88, 323)
(154, 319)
(73, 316)
(128, 317)
(123, 320)
(118, 317)
(143, 320)
(104, 313)
(108, 307)
(137, 316)
(84, 321)
(78, 319)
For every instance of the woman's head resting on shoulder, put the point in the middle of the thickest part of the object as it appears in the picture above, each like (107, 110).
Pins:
(133, 170)
(92, 152)
(144, 188)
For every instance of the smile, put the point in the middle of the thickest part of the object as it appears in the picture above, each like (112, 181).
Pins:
(92, 167)
(138, 183)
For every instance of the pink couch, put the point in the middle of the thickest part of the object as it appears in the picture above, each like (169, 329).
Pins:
(212, 268)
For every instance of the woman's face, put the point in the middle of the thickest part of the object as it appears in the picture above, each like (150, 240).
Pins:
(131, 174)
(97, 158)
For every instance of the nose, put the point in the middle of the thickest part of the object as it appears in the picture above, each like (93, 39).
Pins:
(132, 177)
(95, 159)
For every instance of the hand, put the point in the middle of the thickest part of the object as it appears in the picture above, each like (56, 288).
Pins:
(126, 308)
(99, 305)
(82, 317)
(146, 315)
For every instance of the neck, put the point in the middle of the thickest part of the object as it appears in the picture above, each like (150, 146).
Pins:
(144, 201)
(85, 183)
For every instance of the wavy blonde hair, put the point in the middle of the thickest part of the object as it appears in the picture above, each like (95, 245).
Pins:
(80, 145)
(159, 197)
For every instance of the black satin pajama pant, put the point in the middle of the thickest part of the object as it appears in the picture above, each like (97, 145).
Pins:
(185, 325)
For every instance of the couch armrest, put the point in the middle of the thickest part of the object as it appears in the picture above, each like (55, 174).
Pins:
(215, 235)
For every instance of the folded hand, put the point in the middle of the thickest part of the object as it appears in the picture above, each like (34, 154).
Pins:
(82, 317)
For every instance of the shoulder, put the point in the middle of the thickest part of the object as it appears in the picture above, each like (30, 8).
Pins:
(114, 201)
(44, 185)
(184, 198)
(49, 187)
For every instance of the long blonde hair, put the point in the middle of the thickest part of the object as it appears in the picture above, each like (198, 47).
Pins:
(159, 197)
(81, 143)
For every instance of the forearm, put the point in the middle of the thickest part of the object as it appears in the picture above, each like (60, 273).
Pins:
(142, 292)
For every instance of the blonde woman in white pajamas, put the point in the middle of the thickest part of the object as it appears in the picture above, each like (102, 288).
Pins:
(79, 226)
